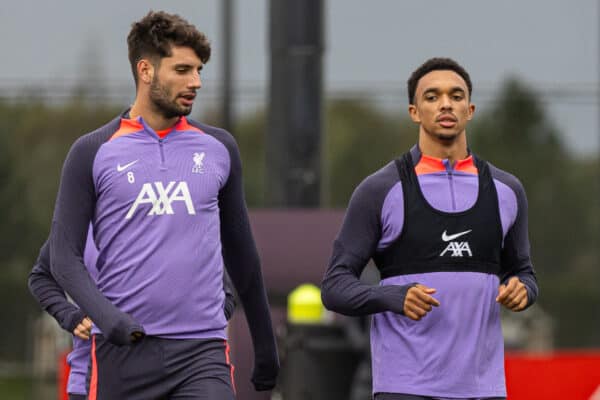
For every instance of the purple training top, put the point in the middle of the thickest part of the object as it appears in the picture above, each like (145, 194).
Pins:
(52, 299)
(168, 213)
(456, 350)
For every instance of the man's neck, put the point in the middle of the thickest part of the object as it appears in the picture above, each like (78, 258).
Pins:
(452, 150)
(153, 119)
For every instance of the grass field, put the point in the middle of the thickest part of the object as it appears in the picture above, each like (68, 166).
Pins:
(21, 388)
(15, 388)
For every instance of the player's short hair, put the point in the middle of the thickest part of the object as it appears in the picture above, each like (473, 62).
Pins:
(153, 36)
(436, 64)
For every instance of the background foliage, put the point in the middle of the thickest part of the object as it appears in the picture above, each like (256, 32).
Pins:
(514, 134)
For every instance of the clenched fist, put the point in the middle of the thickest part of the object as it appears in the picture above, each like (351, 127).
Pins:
(419, 302)
(513, 295)
(84, 329)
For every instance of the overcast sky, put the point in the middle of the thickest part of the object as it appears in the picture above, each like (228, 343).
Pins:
(377, 43)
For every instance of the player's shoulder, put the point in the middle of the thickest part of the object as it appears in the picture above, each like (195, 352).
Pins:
(90, 142)
(506, 178)
(219, 134)
(377, 185)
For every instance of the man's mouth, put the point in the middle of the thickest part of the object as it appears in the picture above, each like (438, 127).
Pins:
(187, 99)
(446, 121)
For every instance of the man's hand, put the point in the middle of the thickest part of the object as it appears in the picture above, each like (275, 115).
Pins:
(84, 329)
(513, 295)
(418, 301)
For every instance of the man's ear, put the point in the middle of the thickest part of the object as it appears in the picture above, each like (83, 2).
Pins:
(471, 111)
(414, 113)
(145, 71)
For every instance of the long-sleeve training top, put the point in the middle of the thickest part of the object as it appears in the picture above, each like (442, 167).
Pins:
(53, 300)
(456, 350)
(168, 213)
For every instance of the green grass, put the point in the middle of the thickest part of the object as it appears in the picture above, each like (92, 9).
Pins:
(24, 388)
(14, 388)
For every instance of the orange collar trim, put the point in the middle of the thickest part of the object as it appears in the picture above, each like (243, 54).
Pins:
(129, 125)
(429, 165)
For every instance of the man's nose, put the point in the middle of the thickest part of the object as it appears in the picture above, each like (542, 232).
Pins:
(196, 81)
(445, 103)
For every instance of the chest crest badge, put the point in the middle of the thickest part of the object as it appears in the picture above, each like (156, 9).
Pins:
(198, 159)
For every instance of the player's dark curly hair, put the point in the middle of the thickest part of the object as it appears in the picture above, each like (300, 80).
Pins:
(152, 38)
(436, 64)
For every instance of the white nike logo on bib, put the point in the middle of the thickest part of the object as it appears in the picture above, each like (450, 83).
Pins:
(121, 168)
(447, 238)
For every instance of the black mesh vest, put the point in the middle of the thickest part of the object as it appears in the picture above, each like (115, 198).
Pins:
(433, 240)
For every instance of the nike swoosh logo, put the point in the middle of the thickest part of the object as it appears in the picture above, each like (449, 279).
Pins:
(447, 238)
(121, 168)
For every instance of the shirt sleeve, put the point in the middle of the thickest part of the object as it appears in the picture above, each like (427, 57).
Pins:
(342, 291)
(75, 204)
(242, 262)
(50, 295)
(516, 257)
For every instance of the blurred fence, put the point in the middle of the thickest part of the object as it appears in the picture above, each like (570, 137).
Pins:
(573, 107)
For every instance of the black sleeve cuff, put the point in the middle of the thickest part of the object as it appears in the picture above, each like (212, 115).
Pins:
(73, 320)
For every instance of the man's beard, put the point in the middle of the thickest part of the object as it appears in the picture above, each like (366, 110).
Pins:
(160, 97)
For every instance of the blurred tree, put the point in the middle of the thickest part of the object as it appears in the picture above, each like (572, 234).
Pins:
(15, 220)
(34, 140)
(41, 138)
(515, 134)
(250, 134)
(563, 195)
(14, 233)
(359, 140)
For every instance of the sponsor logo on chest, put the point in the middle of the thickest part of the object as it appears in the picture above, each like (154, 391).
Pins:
(454, 247)
(162, 198)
